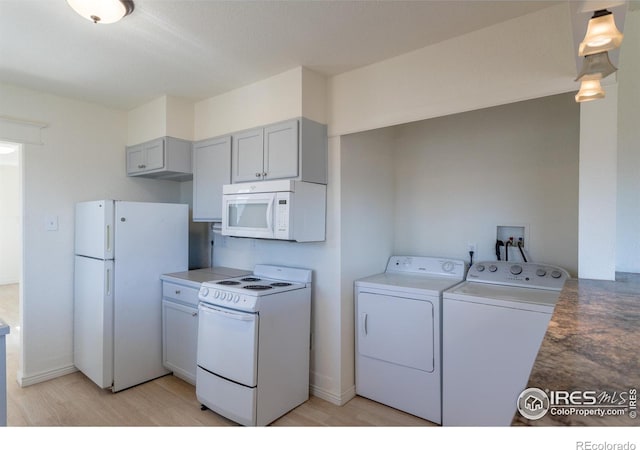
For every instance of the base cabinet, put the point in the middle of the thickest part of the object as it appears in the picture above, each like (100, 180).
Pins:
(180, 331)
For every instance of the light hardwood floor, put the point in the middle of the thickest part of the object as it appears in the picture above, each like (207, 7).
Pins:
(73, 400)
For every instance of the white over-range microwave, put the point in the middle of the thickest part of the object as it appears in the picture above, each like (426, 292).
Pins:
(289, 210)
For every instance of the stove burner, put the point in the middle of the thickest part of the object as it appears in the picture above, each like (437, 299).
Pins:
(280, 284)
(257, 287)
(250, 279)
(228, 282)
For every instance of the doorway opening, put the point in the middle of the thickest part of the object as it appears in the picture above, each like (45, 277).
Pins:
(11, 253)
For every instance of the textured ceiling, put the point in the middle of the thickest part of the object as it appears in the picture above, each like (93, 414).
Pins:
(198, 49)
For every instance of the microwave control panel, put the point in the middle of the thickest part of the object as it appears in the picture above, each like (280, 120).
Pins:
(282, 206)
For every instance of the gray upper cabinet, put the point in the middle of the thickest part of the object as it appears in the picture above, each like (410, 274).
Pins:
(292, 149)
(211, 170)
(166, 158)
(247, 160)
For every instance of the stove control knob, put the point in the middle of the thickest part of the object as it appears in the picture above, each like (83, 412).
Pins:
(227, 296)
(480, 268)
(493, 268)
(516, 269)
(541, 272)
(236, 298)
(556, 274)
(216, 294)
(204, 291)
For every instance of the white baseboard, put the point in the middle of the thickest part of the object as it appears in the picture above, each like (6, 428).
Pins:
(45, 376)
(339, 400)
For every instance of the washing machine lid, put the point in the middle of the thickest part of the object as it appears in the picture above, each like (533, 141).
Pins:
(541, 300)
(409, 283)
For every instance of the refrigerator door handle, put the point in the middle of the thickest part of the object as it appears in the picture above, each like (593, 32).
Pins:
(108, 282)
(108, 238)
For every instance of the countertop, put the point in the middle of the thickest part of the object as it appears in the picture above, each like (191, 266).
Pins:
(592, 344)
(194, 278)
(4, 327)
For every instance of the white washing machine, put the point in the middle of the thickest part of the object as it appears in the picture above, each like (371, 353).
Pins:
(493, 325)
(398, 337)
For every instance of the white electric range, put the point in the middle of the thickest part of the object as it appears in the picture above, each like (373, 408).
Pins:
(253, 344)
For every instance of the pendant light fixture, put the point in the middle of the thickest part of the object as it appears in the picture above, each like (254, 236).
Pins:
(102, 11)
(602, 34)
(596, 67)
(589, 90)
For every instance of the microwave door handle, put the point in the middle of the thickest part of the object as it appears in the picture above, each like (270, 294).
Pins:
(270, 213)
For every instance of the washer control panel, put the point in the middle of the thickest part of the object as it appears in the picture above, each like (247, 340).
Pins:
(539, 276)
(427, 265)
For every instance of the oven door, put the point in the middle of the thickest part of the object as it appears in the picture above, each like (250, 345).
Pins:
(248, 215)
(228, 344)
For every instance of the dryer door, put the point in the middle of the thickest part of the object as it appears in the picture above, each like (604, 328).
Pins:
(396, 329)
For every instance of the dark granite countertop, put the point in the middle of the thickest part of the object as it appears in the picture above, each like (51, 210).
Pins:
(592, 344)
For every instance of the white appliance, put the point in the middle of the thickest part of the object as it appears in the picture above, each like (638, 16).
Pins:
(493, 325)
(253, 344)
(398, 335)
(121, 249)
(288, 210)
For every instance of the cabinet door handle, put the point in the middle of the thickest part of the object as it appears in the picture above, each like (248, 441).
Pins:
(194, 314)
(141, 166)
(257, 174)
(177, 291)
(264, 174)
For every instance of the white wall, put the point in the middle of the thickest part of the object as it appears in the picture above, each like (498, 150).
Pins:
(459, 177)
(267, 101)
(10, 254)
(366, 212)
(163, 116)
(628, 196)
(598, 186)
(527, 57)
(82, 158)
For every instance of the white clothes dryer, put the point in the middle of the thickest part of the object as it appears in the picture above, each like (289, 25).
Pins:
(493, 325)
(398, 333)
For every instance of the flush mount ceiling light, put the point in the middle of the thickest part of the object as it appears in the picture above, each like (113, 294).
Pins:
(596, 67)
(102, 11)
(602, 34)
(589, 90)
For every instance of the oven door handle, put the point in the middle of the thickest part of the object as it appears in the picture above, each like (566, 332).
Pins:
(247, 317)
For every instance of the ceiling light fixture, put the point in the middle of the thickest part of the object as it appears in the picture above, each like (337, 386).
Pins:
(602, 34)
(102, 11)
(589, 90)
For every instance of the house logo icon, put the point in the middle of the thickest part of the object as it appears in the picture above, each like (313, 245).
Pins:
(533, 403)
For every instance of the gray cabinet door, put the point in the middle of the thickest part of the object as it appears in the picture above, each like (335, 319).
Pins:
(180, 339)
(154, 154)
(247, 158)
(211, 170)
(135, 159)
(281, 150)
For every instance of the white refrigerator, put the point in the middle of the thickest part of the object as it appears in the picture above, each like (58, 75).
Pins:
(121, 249)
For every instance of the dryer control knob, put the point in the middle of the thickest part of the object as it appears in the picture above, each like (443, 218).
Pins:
(541, 272)
(516, 269)
(447, 266)
(480, 268)
(556, 274)
(493, 268)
